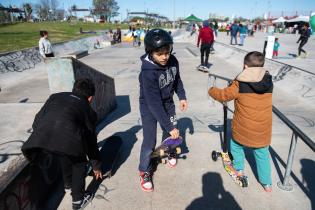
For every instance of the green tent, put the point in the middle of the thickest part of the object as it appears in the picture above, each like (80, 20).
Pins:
(193, 18)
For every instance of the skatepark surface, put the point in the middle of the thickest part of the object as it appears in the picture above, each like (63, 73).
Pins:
(197, 182)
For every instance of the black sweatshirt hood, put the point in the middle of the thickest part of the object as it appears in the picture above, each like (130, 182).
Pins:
(259, 80)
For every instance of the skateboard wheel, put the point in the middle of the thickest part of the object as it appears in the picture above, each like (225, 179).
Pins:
(161, 152)
(214, 155)
(178, 150)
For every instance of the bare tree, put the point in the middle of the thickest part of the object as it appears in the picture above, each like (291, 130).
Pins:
(53, 7)
(28, 10)
(42, 9)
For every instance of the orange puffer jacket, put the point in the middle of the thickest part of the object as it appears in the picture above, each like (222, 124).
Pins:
(252, 95)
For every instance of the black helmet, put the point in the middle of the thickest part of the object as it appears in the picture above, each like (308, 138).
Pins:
(157, 38)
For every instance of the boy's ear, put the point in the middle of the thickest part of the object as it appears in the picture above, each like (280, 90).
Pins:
(90, 98)
(245, 66)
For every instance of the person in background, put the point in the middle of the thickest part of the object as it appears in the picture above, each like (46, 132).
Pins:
(276, 48)
(305, 34)
(234, 31)
(44, 45)
(243, 32)
(227, 28)
(206, 37)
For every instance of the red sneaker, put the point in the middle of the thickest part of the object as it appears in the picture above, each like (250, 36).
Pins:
(146, 181)
(267, 188)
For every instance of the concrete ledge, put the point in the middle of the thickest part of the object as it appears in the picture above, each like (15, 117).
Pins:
(62, 73)
(78, 54)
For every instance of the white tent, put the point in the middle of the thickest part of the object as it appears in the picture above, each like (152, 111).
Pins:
(279, 20)
(300, 19)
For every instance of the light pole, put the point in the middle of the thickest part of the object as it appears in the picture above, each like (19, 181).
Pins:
(174, 14)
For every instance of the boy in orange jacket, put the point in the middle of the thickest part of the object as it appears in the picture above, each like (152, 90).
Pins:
(252, 120)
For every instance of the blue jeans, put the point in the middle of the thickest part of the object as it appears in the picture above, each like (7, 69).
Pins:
(262, 158)
(242, 37)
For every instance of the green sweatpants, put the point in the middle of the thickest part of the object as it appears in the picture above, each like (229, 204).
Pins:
(262, 158)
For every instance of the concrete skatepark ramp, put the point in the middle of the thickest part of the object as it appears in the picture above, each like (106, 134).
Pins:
(197, 182)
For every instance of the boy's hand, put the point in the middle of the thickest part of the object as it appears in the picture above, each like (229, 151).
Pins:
(174, 133)
(98, 174)
(183, 105)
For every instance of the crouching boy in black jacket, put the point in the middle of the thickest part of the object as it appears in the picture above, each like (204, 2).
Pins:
(65, 127)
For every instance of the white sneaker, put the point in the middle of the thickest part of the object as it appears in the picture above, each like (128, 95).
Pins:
(172, 162)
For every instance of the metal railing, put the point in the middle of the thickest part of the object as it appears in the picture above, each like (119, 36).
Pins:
(296, 133)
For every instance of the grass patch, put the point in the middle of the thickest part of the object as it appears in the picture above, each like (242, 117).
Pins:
(25, 35)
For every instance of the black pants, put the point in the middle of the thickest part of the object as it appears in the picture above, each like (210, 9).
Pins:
(205, 49)
(74, 173)
(302, 43)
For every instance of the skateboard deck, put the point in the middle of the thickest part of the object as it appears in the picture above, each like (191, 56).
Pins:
(168, 147)
(241, 180)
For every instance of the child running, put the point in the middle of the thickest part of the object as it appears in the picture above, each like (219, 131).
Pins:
(276, 48)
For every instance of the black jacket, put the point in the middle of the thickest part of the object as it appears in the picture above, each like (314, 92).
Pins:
(65, 125)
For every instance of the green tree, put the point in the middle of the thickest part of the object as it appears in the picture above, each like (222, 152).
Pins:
(106, 8)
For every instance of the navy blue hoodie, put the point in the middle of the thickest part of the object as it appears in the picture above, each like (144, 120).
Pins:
(157, 87)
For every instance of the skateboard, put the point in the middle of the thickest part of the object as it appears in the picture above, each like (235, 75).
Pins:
(110, 153)
(240, 179)
(205, 70)
(168, 148)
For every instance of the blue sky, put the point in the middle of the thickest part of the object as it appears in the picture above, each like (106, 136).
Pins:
(201, 8)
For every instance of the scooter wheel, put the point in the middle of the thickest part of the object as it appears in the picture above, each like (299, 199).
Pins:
(214, 155)
(243, 182)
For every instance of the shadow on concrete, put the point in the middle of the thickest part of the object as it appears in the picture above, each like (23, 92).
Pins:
(308, 168)
(123, 108)
(183, 124)
(209, 65)
(307, 171)
(214, 195)
(4, 156)
(129, 138)
(219, 129)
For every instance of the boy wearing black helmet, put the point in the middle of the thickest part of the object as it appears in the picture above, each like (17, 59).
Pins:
(159, 79)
